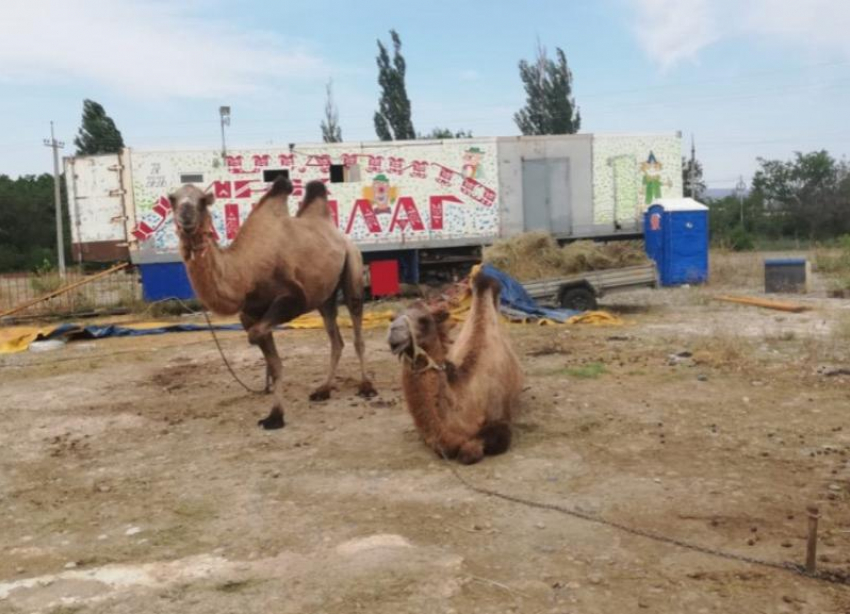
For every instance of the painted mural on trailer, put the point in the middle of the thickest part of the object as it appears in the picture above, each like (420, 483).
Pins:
(400, 194)
(631, 172)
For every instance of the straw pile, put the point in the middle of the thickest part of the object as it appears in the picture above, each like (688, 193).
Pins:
(536, 255)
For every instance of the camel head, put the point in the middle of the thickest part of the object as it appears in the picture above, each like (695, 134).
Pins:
(190, 206)
(419, 325)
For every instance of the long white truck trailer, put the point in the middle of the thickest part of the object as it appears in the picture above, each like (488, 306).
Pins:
(426, 203)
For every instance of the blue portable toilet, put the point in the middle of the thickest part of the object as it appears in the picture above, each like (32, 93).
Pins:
(676, 237)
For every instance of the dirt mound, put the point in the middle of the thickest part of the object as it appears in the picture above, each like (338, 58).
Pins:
(536, 255)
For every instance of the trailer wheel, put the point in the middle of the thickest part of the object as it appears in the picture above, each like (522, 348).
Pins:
(578, 299)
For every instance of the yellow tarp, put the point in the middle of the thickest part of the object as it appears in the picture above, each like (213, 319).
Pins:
(18, 338)
(15, 339)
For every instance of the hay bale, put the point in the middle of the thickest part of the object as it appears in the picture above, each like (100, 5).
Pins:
(536, 255)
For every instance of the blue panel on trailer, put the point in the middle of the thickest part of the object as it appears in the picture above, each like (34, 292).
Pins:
(165, 280)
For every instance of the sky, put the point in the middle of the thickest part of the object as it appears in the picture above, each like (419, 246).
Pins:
(743, 78)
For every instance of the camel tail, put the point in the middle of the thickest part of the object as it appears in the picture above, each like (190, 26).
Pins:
(496, 437)
(352, 279)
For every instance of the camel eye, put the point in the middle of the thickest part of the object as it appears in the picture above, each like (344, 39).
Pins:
(423, 321)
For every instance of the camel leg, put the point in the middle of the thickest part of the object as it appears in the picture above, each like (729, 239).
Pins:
(352, 291)
(266, 344)
(329, 313)
(283, 309)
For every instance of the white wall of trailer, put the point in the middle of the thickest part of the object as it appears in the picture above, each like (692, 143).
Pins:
(389, 195)
(384, 195)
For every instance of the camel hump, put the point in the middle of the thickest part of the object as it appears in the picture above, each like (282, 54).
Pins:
(483, 282)
(282, 186)
(496, 437)
(315, 200)
(315, 189)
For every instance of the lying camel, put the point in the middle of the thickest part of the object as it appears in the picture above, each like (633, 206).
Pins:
(461, 395)
(278, 268)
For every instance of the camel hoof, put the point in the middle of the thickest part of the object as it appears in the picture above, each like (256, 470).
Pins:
(273, 421)
(322, 393)
(467, 458)
(367, 390)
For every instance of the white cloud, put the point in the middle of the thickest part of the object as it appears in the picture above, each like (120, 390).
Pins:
(672, 31)
(815, 25)
(153, 49)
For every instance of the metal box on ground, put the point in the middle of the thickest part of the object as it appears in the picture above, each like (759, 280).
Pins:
(789, 275)
(676, 236)
(384, 277)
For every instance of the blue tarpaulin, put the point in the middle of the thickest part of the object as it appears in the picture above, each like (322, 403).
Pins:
(516, 301)
(75, 331)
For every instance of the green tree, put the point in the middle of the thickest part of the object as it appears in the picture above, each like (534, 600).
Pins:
(550, 107)
(28, 222)
(393, 117)
(98, 133)
(445, 133)
(331, 132)
(807, 197)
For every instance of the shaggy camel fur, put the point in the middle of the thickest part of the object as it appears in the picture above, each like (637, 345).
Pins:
(461, 395)
(278, 268)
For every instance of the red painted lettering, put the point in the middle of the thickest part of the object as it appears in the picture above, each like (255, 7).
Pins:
(364, 206)
(231, 220)
(411, 217)
(436, 203)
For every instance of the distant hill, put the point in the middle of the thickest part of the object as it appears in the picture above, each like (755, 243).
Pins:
(718, 193)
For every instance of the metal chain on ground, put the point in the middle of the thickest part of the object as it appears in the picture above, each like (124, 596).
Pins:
(824, 576)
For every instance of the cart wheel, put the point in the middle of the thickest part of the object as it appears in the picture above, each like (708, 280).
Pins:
(578, 299)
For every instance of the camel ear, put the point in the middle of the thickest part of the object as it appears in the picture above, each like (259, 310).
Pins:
(208, 199)
(172, 200)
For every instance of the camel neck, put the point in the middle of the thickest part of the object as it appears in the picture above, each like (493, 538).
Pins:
(207, 268)
(428, 397)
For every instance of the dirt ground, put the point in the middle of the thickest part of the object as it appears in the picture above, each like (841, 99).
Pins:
(133, 477)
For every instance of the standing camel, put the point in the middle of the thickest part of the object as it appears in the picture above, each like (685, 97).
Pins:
(278, 268)
(461, 395)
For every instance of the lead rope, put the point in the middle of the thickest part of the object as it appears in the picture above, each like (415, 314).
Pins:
(224, 359)
(832, 577)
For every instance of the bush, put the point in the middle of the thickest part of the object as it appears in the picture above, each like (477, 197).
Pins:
(740, 240)
(835, 260)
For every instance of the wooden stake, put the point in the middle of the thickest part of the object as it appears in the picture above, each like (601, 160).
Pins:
(765, 303)
(812, 544)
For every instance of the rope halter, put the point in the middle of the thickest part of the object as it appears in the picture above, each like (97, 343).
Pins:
(430, 363)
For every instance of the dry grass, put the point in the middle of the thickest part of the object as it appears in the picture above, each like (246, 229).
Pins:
(536, 255)
(729, 269)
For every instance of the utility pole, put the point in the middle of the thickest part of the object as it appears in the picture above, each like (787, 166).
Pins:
(57, 196)
(224, 114)
(740, 187)
(692, 167)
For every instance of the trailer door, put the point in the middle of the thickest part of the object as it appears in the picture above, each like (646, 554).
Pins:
(96, 200)
(535, 195)
(559, 195)
(546, 195)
